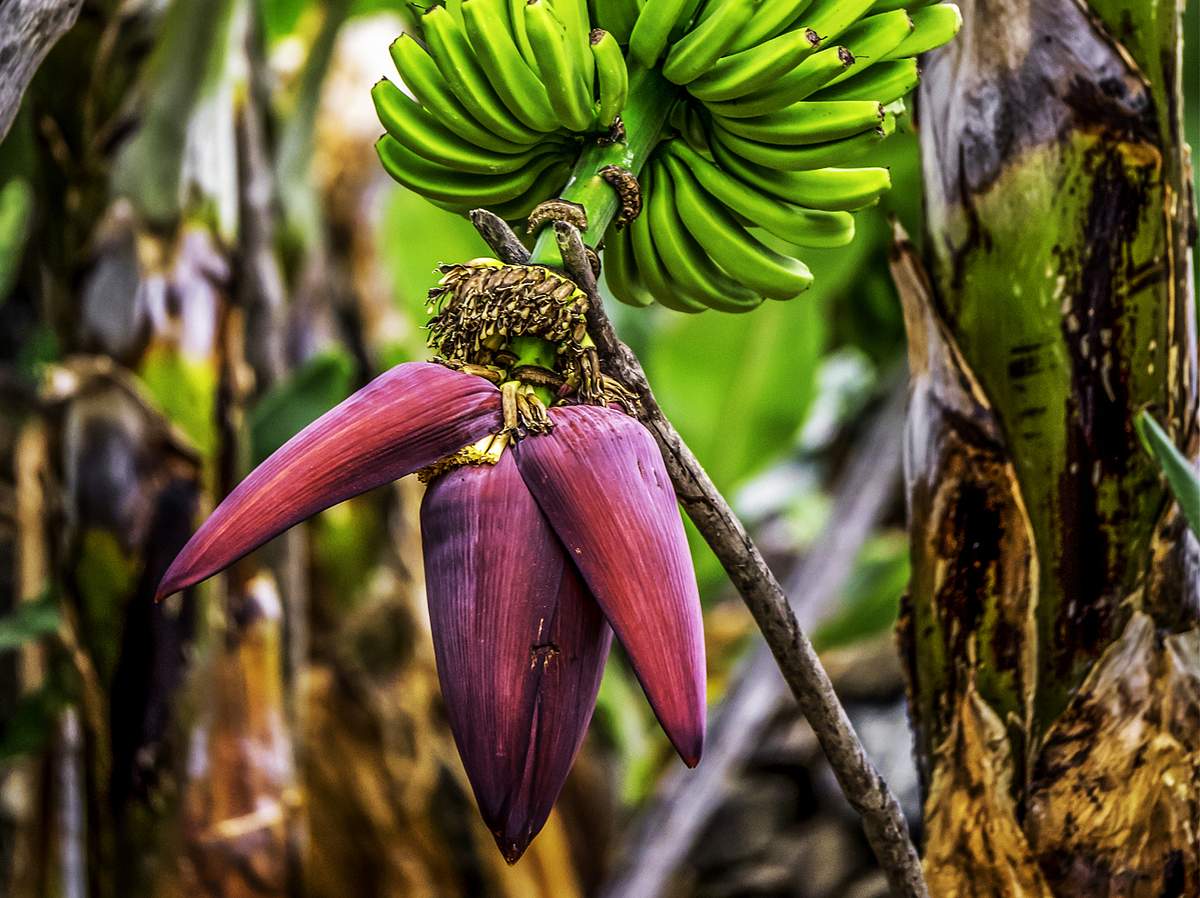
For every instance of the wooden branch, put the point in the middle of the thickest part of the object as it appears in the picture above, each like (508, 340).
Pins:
(28, 29)
(883, 821)
(660, 840)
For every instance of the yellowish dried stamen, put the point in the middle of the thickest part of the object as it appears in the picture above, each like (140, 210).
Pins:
(486, 451)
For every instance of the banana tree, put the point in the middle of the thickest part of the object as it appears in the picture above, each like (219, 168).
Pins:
(1051, 625)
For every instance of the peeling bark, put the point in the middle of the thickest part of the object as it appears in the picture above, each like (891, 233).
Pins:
(28, 29)
(1051, 627)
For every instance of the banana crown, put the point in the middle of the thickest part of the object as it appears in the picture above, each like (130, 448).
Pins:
(743, 119)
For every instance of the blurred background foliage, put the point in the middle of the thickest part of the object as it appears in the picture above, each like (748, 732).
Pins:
(198, 256)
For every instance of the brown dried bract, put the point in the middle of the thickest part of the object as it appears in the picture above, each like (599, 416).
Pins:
(556, 210)
(616, 134)
(625, 183)
(481, 306)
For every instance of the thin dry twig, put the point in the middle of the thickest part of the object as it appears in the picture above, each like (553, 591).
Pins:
(883, 822)
(28, 29)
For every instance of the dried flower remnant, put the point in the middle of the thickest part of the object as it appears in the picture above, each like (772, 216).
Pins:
(549, 524)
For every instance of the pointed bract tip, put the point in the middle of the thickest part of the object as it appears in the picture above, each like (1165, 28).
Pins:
(511, 849)
(403, 420)
(691, 754)
(600, 480)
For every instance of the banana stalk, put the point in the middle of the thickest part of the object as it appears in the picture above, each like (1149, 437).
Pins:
(651, 97)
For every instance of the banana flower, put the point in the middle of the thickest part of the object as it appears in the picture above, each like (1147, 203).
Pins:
(536, 551)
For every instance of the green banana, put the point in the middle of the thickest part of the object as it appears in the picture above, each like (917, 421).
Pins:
(518, 85)
(454, 7)
(620, 270)
(819, 155)
(872, 39)
(691, 270)
(743, 73)
(785, 220)
(650, 266)
(691, 16)
(932, 27)
(698, 50)
(617, 17)
(612, 78)
(570, 95)
(653, 28)
(447, 185)
(406, 121)
(735, 249)
(421, 76)
(688, 120)
(828, 189)
(798, 84)
(573, 14)
(548, 184)
(885, 83)
(516, 25)
(830, 18)
(910, 5)
(807, 123)
(771, 18)
(452, 52)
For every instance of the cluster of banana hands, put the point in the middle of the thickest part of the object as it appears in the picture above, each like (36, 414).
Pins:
(777, 97)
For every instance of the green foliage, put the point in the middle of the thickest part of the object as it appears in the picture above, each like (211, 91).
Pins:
(871, 599)
(308, 392)
(414, 239)
(28, 622)
(1180, 473)
(739, 386)
(284, 18)
(184, 389)
(622, 716)
(29, 725)
(16, 212)
(188, 62)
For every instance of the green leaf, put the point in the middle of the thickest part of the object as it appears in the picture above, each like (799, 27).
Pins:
(30, 722)
(621, 716)
(738, 387)
(185, 390)
(188, 61)
(16, 214)
(871, 599)
(29, 621)
(280, 17)
(1180, 473)
(310, 391)
(415, 238)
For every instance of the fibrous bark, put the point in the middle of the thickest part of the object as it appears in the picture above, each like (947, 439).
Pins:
(28, 29)
(1051, 627)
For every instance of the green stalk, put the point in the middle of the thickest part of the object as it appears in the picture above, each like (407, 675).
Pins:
(650, 99)
(536, 351)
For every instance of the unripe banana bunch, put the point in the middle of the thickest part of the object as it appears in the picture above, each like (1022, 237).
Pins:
(503, 90)
(777, 92)
(774, 99)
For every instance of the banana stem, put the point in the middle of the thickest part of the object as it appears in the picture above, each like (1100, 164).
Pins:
(539, 352)
(650, 100)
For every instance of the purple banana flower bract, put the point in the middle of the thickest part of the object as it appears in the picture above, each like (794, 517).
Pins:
(528, 562)
(520, 644)
(403, 420)
(601, 482)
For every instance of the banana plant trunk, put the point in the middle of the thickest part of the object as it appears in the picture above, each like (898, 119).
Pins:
(1050, 632)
